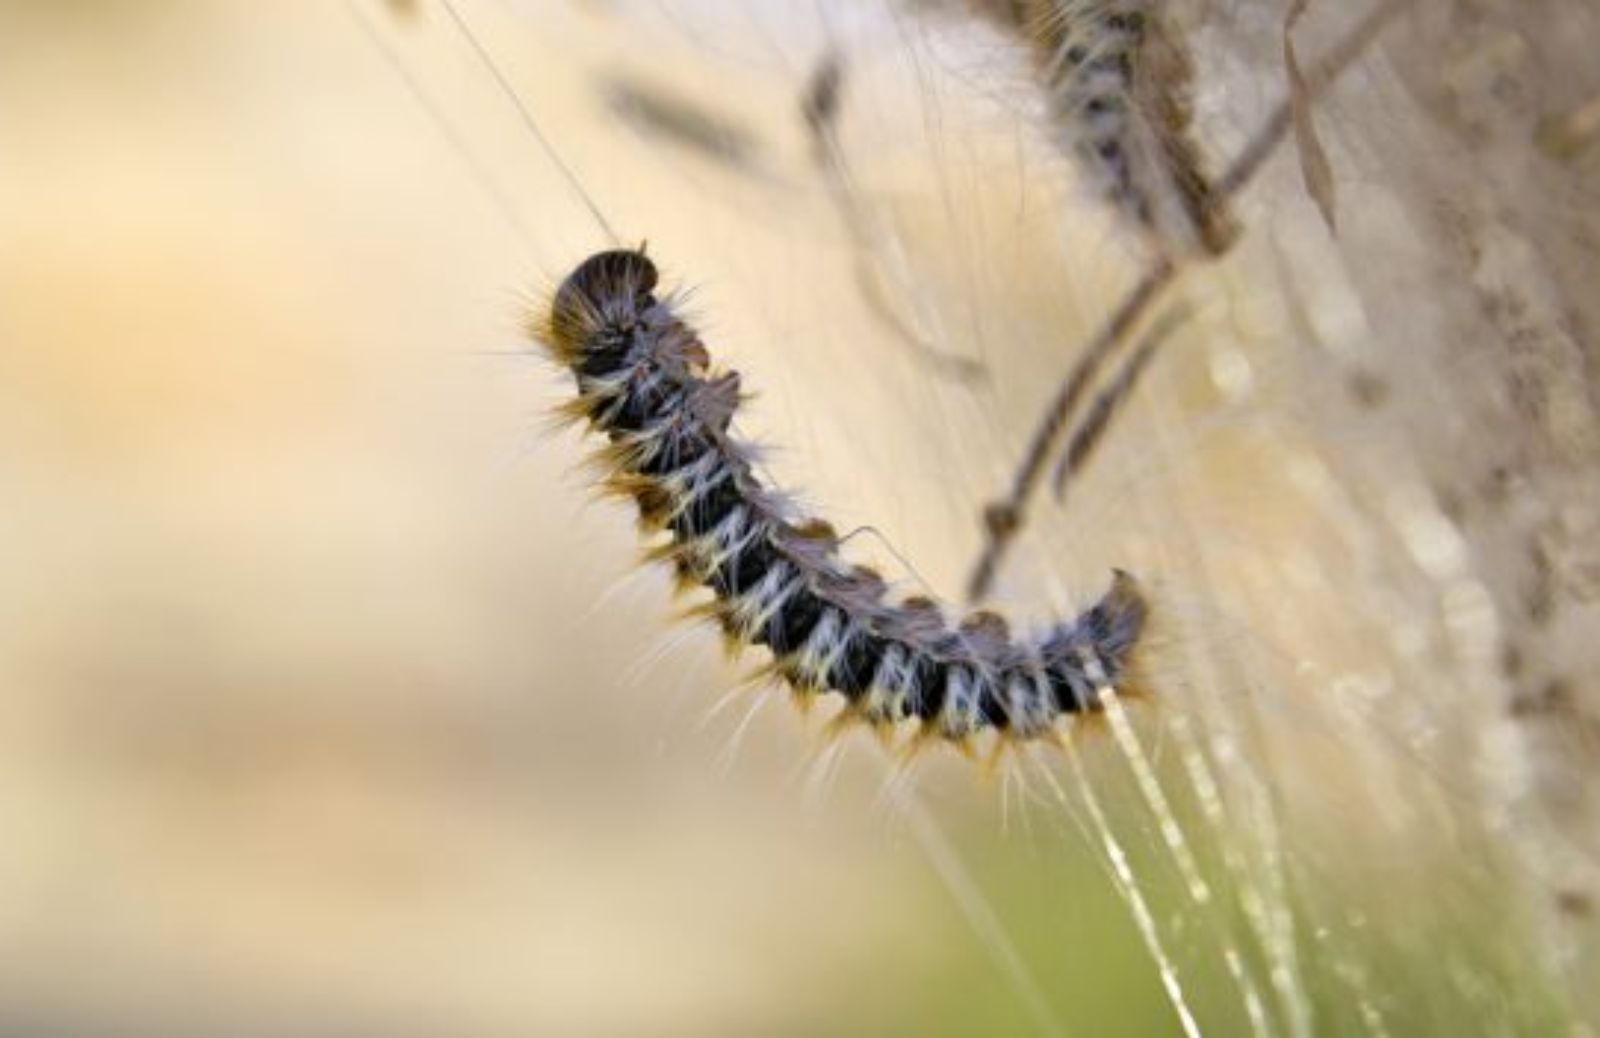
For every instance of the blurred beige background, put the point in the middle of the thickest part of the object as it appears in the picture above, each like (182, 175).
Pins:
(330, 705)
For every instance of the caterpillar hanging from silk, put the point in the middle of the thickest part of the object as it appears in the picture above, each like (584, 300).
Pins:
(646, 382)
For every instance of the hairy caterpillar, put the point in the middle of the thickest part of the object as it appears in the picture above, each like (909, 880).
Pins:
(1118, 77)
(644, 379)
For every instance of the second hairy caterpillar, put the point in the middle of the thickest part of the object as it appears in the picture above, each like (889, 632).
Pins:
(1119, 78)
(645, 381)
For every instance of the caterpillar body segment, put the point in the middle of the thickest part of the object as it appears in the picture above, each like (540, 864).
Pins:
(645, 381)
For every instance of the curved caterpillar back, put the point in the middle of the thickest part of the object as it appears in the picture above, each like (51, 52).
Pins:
(645, 381)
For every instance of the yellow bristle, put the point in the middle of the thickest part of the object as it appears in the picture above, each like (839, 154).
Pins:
(615, 456)
(667, 551)
(574, 411)
(992, 761)
(924, 733)
(805, 696)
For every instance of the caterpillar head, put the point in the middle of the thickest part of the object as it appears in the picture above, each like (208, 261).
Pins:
(594, 312)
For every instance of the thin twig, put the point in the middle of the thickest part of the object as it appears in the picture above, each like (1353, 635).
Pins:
(1004, 519)
(1097, 420)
